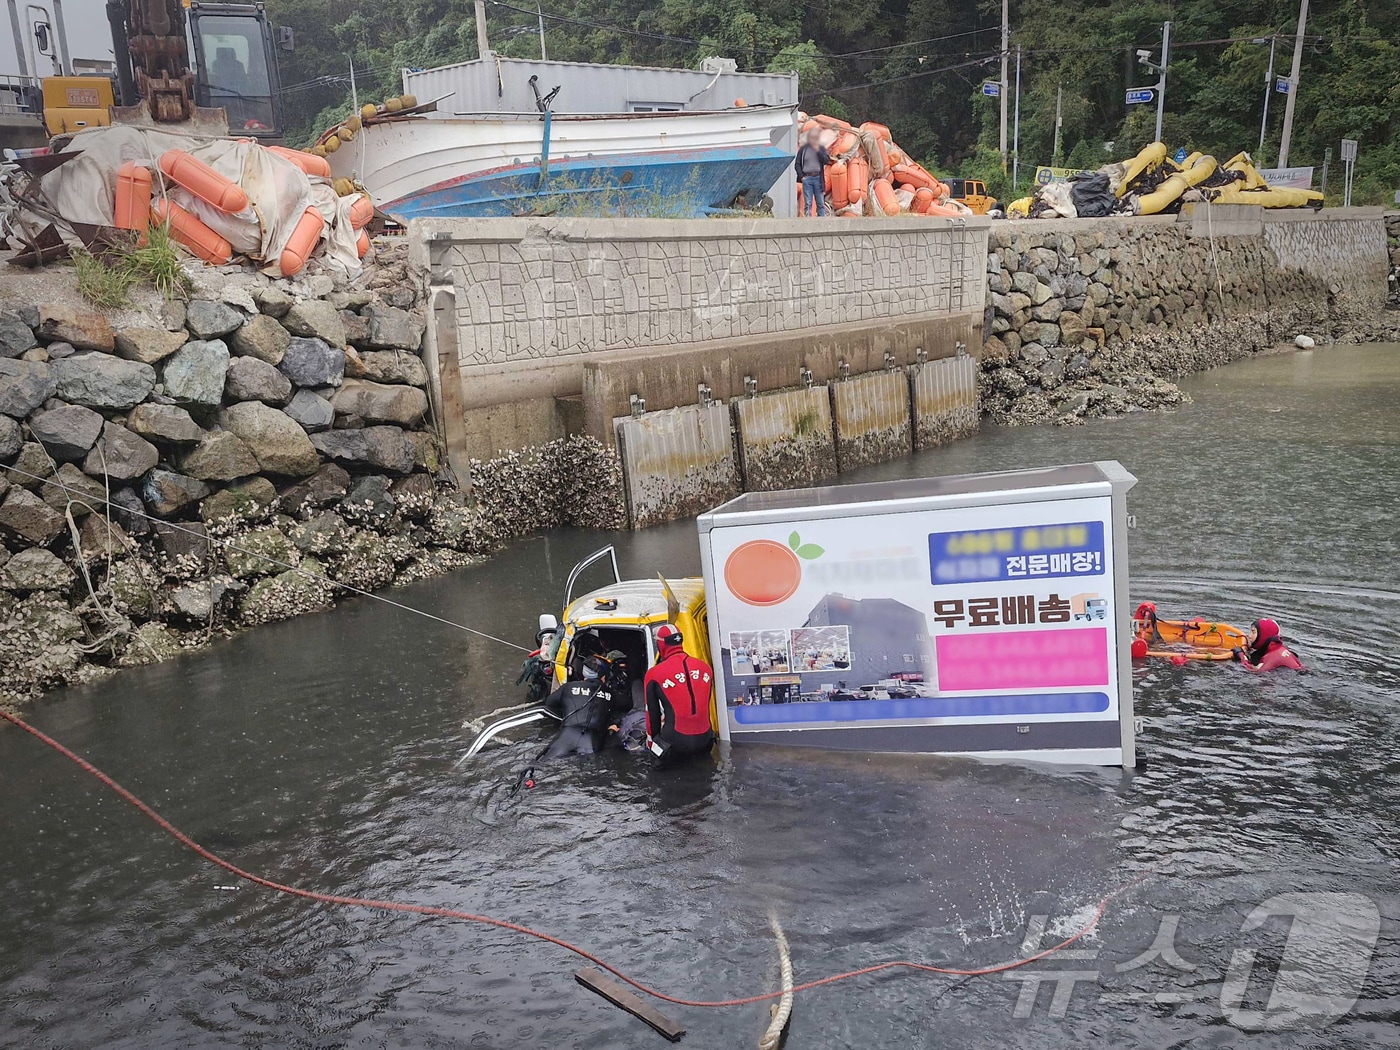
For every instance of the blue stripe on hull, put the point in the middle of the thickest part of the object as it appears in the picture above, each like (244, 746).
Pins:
(682, 184)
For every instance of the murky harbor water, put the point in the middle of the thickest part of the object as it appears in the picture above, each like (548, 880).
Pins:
(317, 752)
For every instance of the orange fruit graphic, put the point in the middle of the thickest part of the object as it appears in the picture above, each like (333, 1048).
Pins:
(762, 572)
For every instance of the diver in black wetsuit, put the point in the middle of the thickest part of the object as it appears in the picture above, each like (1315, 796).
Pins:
(586, 709)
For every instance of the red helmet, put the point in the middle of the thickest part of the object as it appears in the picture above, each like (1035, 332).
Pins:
(1265, 629)
(667, 637)
(1144, 610)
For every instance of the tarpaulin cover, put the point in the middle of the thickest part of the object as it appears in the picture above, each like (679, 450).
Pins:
(83, 190)
(1092, 195)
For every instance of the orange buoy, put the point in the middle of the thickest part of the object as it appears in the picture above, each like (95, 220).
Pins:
(915, 176)
(304, 239)
(896, 156)
(133, 201)
(801, 203)
(884, 196)
(362, 244)
(361, 212)
(832, 122)
(826, 178)
(857, 178)
(192, 233)
(840, 184)
(878, 130)
(203, 181)
(923, 200)
(307, 162)
(880, 160)
(808, 125)
(846, 142)
(944, 210)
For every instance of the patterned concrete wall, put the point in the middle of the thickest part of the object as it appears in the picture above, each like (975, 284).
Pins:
(541, 290)
(1346, 252)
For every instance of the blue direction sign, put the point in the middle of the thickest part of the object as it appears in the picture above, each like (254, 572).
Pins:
(992, 88)
(1180, 155)
(1137, 96)
(1281, 85)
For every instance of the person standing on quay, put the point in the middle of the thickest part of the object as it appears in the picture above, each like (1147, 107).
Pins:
(810, 164)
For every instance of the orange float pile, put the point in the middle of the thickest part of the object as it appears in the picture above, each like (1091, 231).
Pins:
(870, 175)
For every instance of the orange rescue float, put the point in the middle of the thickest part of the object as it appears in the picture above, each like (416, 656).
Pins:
(362, 244)
(192, 233)
(885, 196)
(203, 181)
(844, 143)
(915, 176)
(361, 212)
(840, 184)
(878, 130)
(857, 178)
(133, 201)
(304, 239)
(923, 200)
(307, 162)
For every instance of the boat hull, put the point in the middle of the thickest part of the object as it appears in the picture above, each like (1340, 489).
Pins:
(670, 165)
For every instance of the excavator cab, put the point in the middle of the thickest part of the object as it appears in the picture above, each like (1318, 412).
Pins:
(236, 66)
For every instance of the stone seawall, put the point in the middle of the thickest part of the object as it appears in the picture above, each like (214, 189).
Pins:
(177, 471)
(1097, 316)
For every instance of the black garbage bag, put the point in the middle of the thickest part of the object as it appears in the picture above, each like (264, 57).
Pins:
(1091, 195)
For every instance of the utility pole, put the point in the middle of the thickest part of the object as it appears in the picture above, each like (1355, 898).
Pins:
(65, 64)
(1162, 77)
(24, 65)
(1005, 87)
(1016, 139)
(354, 94)
(483, 43)
(1268, 90)
(544, 56)
(1059, 122)
(1293, 85)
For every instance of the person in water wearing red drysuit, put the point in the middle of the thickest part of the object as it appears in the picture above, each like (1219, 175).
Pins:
(677, 692)
(1266, 651)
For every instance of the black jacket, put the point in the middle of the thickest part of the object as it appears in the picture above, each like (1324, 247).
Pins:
(822, 156)
(582, 704)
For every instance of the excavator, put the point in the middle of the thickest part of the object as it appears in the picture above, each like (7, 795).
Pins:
(232, 85)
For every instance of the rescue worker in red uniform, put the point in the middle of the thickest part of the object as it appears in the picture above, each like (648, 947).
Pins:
(677, 692)
(1266, 650)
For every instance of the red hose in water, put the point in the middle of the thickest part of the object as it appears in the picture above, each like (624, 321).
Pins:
(486, 920)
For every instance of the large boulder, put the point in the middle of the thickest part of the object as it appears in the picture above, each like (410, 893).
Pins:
(73, 491)
(36, 569)
(368, 499)
(100, 540)
(261, 552)
(391, 366)
(166, 424)
(187, 541)
(272, 301)
(15, 337)
(312, 411)
(85, 329)
(278, 442)
(198, 600)
(24, 386)
(67, 432)
(166, 493)
(261, 337)
(211, 320)
(27, 518)
(313, 362)
(371, 448)
(222, 456)
(129, 512)
(196, 372)
(11, 437)
(101, 381)
(394, 329)
(317, 318)
(300, 590)
(327, 486)
(404, 406)
(245, 501)
(119, 454)
(150, 345)
(251, 379)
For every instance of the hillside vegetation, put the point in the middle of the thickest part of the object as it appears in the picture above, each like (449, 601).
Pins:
(918, 65)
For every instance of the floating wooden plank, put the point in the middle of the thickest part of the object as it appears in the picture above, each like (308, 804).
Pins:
(596, 981)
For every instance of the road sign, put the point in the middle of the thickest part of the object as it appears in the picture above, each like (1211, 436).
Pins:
(1180, 154)
(991, 88)
(1137, 96)
(1282, 85)
(1349, 149)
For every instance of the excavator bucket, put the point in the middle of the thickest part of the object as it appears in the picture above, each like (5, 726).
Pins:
(203, 121)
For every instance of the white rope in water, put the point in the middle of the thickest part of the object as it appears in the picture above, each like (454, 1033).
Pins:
(782, 1009)
(82, 497)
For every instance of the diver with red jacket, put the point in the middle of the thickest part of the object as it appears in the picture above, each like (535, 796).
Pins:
(677, 692)
(1265, 650)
